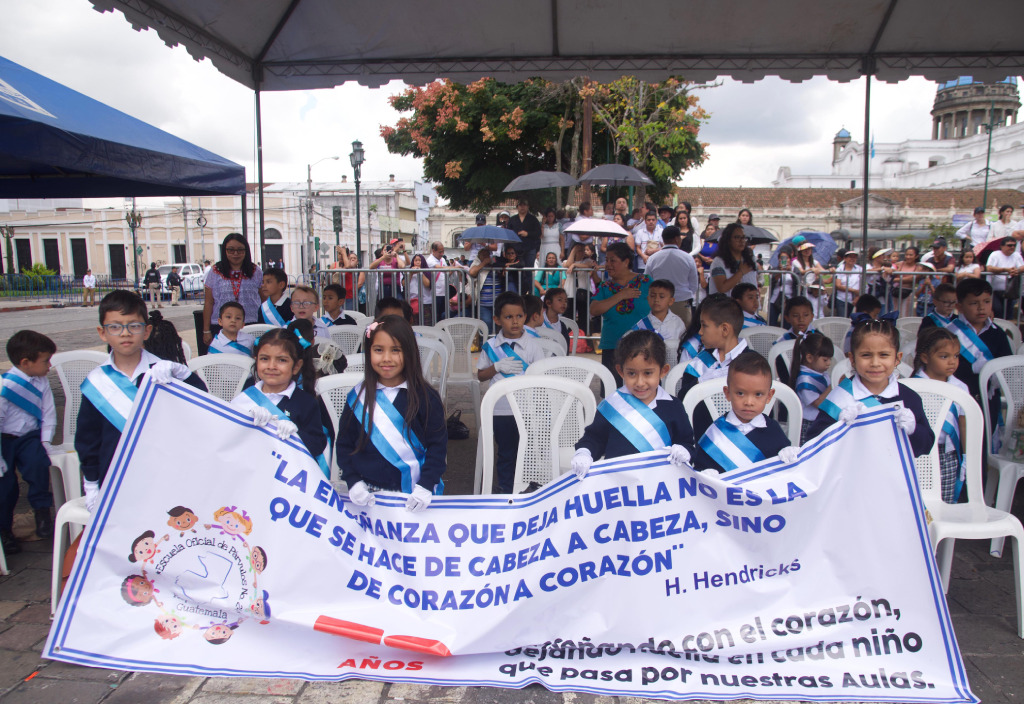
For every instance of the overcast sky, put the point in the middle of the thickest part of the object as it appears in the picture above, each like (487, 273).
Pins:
(754, 128)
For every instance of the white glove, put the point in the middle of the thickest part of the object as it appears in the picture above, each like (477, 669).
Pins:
(260, 415)
(679, 456)
(92, 494)
(164, 371)
(419, 499)
(581, 462)
(360, 495)
(285, 429)
(906, 421)
(789, 454)
(710, 471)
(849, 414)
(508, 365)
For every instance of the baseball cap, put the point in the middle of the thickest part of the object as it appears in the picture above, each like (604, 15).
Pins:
(939, 242)
(505, 213)
(979, 209)
(713, 216)
(665, 209)
(881, 253)
(481, 219)
(395, 241)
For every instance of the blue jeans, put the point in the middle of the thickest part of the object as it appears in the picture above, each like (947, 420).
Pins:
(487, 315)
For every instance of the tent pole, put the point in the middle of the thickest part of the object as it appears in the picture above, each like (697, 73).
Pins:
(259, 176)
(869, 69)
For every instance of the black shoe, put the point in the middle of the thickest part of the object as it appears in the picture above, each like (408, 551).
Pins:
(10, 543)
(44, 523)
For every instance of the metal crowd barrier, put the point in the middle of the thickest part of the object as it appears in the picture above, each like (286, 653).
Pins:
(59, 289)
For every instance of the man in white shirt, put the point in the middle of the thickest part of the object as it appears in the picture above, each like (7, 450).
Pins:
(88, 289)
(847, 284)
(1007, 262)
(676, 266)
(437, 260)
(976, 232)
(649, 231)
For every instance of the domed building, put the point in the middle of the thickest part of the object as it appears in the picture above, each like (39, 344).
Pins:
(955, 157)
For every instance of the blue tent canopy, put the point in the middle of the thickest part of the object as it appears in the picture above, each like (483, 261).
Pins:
(58, 143)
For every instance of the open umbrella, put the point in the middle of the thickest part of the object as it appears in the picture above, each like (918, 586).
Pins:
(758, 235)
(540, 179)
(596, 227)
(616, 175)
(983, 250)
(488, 233)
(824, 246)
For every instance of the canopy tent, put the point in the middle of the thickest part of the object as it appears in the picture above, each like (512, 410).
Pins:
(56, 143)
(305, 44)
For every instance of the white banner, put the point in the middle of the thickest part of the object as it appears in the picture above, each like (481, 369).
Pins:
(219, 550)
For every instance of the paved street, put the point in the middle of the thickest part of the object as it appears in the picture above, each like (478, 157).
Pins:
(981, 601)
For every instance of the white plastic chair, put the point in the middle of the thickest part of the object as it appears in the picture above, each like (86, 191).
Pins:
(973, 520)
(834, 328)
(760, 338)
(333, 390)
(223, 374)
(358, 317)
(257, 330)
(434, 356)
(1010, 327)
(550, 348)
(348, 337)
(553, 335)
(1003, 471)
(842, 368)
(710, 393)
(186, 350)
(551, 414)
(582, 370)
(434, 334)
(782, 350)
(71, 517)
(908, 328)
(461, 370)
(674, 379)
(574, 332)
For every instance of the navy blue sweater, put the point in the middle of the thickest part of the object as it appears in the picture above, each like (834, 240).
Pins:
(921, 440)
(370, 466)
(96, 437)
(604, 441)
(769, 440)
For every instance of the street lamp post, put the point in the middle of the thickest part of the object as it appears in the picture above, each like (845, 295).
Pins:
(201, 221)
(357, 157)
(309, 207)
(8, 232)
(134, 220)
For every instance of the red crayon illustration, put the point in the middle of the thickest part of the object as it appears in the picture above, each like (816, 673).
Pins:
(369, 634)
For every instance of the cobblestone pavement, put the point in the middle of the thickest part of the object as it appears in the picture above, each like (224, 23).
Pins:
(981, 601)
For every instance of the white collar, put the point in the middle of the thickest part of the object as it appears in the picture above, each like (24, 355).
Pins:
(17, 372)
(891, 390)
(403, 385)
(280, 301)
(757, 422)
(733, 353)
(661, 395)
(500, 338)
(147, 360)
(287, 393)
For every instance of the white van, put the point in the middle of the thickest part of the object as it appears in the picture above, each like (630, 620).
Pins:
(191, 278)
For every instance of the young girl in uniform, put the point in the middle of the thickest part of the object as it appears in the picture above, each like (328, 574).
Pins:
(641, 416)
(937, 356)
(874, 354)
(812, 383)
(283, 361)
(392, 435)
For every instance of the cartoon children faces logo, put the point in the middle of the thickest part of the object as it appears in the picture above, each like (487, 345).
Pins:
(205, 579)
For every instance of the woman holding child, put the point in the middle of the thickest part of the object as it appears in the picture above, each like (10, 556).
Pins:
(233, 278)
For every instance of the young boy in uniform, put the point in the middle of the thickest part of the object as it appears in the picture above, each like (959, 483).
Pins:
(944, 301)
(660, 297)
(981, 340)
(333, 301)
(750, 301)
(507, 354)
(799, 316)
(744, 435)
(27, 420)
(109, 390)
(534, 309)
(276, 309)
(231, 339)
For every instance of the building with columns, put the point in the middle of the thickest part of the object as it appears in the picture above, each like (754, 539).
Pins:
(955, 157)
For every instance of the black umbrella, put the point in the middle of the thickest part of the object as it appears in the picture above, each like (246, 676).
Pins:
(616, 175)
(758, 235)
(540, 179)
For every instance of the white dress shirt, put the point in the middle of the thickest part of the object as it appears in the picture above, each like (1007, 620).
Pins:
(16, 421)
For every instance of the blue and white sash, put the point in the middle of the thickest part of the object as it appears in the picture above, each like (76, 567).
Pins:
(790, 335)
(646, 324)
(497, 354)
(271, 315)
(810, 380)
(728, 446)
(691, 348)
(263, 401)
(557, 325)
(637, 422)
(531, 332)
(393, 439)
(221, 344)
(701, 364)
(326, 320)
(23, 394)
(111, 392)
(949, 437)
(750, 321)
(971, 347)
(940, 320)
(842, 397)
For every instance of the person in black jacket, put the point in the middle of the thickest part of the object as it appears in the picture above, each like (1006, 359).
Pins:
(174, 284)
(527, 226)
(152, 283)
